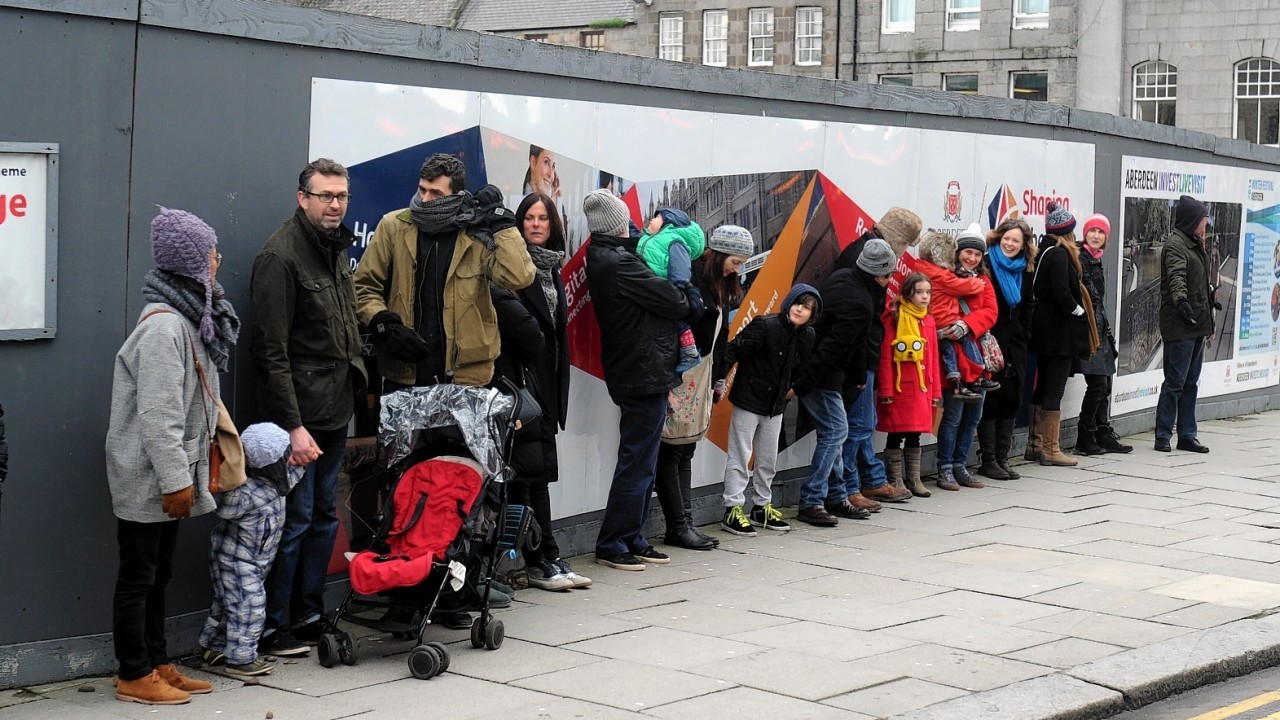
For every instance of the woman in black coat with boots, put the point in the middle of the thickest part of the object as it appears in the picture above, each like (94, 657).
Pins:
(1010, 262)
(1094, 433)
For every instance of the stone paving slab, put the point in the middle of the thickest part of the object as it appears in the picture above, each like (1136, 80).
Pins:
(798, 675)
(735, 703)
(1028, 537)
(1112, 600)
(828, 641)
(623, 685)
(653, 645)
(706, 617)
(894, 698)
(1009, 557)
(1065, 653)
(1101, 627)
(1229, 591)
(1133, 552)
(1133, 533)
(1119, 573)
(1056, 697)
(972, 634)
(983, 606)
(955, 667)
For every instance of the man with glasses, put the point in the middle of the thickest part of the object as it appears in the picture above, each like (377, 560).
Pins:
(306, 347)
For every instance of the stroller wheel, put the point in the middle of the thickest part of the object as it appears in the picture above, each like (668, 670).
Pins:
(444, 655)
(327, 651)
(494, 634)
(424, 662)
(346, 648)
(477, 634)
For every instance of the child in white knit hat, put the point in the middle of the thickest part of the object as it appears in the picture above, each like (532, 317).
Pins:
(242, 547)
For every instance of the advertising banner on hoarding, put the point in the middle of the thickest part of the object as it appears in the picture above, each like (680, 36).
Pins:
(1242, 249)
(26, 243)
(804, 189)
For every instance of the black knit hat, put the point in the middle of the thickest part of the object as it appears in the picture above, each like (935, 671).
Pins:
(1058, 220)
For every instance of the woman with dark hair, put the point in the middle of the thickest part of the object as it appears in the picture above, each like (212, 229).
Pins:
(1062, 330)
(546, 375)
(716, 276)
(1010, 262)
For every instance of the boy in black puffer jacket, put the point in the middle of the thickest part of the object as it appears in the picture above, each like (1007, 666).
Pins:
(767, 352)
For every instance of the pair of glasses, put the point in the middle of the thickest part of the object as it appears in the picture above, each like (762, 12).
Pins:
(327, 198)
(217, 258)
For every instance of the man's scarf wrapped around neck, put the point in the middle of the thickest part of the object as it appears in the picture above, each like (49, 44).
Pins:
(447, 214)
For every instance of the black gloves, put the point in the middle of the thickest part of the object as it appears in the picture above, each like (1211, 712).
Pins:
(401, 342)
(1188, 315)
(492, 217)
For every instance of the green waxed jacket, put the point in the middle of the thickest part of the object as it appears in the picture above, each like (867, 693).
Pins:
(1184, 275)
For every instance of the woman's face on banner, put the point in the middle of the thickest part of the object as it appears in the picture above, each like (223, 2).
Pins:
(536, 224)
(1012, 242)
(542, 171)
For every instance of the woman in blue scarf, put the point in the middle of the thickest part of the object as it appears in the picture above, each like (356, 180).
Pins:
(1010, 259)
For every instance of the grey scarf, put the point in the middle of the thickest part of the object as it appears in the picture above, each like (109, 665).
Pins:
(162, 286)
(447, 214)
(546, 262)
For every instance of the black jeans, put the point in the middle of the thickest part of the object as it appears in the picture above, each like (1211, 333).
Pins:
(1095, 409)
(1052, 372)
(640, 433)
(675, 482)
(536, 495)
(137, 609)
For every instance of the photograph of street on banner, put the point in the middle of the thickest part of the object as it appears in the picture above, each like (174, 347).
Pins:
(1147, 222)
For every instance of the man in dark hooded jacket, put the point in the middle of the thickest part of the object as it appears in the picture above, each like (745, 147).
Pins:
(639, 315)
(1186, 319)
(839, 359)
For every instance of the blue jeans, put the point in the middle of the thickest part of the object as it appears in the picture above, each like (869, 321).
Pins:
(295, 586)
(858, 456)
(831, 426)
(956, 431)
(639, 435)
(1182, 361)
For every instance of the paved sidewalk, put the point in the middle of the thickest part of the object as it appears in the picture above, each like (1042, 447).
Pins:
(1055, 596)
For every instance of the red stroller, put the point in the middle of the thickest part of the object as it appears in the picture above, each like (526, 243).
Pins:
(445, 521)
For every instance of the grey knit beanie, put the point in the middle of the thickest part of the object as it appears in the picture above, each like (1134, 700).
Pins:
(732, 240)
(606, 214)
(181, 244)
(877, 258)
(264, 443)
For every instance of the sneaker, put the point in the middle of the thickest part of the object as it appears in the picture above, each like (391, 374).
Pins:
(817, 516)
(579, 581)
(964, 479)
(735, 523)
(252, 669)
(651, 555)
(769, 518)
(986, 384)
(546, 575)
(310, 633)
(211, 658)
(947, 481)
(281, 644)
(621, 561)
(847, 510)
(689, 358)
(966, 394)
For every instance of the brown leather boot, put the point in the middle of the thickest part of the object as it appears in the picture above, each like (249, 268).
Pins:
(151, 690)
(1033, 440)
(893, 469)
(861, 502)
(1050, 424)
(887, 493)
(169, 673)
(911, 477)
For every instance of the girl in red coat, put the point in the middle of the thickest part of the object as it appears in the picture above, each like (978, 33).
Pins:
(908, 384)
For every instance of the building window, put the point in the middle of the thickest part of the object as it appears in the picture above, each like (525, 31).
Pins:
(1029, 86)
(1155, 92)
(715, 37)
(1258, 101)
(760, 36)
(809, 36)
(964, 14)
(671, 37)
(899, 80)
(898, 16)
(1031, 13)
(536, 37)
(962, 83)
(591, 39)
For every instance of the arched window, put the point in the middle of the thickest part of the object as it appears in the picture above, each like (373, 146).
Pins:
(1155, 92)
(1258, 101)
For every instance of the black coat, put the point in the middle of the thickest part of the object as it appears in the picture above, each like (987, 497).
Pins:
(639, 315)
(1013, 332)
(709, 341)
(767, 351)
(1103, 360)
(845, 332)
(1055, 331)
(524, 346)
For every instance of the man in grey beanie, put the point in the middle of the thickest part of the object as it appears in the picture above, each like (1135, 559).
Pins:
(639, 315)
(841, 364)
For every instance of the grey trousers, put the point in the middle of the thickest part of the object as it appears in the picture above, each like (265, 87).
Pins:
(747, 430)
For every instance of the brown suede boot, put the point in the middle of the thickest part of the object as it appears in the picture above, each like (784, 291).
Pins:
(169, 673)
(1050, 423)
(1033, 441)
(893, 468)
(151, 690)
(911, 475)
(862, 502)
